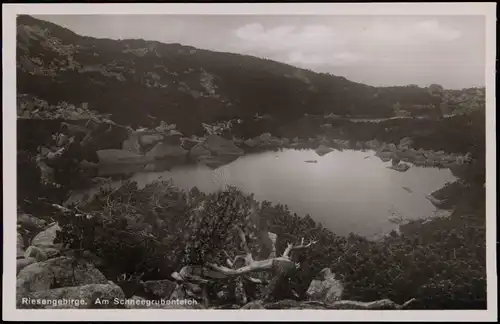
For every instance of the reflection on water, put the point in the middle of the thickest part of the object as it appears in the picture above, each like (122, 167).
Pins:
(349, 191)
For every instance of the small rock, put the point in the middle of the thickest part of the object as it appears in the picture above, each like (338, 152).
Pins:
(405, 143)
(160, 288)
(250, 142)
(265, 137)
(323, 150)
(401, 167)
(392, 147)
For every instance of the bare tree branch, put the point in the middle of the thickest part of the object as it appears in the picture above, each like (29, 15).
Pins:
(290, 247)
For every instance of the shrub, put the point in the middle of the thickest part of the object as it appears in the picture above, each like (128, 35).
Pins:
(159, 228)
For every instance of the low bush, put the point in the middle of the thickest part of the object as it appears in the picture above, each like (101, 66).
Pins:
(159, 228)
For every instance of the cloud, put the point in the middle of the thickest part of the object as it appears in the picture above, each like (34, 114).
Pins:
(330, 45)
(307, 46)
(418, 33)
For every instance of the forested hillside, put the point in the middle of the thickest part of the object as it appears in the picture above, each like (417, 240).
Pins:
(140, 82)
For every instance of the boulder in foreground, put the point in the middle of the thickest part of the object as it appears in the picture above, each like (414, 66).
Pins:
(57, 272)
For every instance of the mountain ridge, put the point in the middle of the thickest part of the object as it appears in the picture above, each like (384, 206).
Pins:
(135, 78)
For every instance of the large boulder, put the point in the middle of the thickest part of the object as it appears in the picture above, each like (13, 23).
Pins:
(215, 151)
(104, 295)
(164, 151)
(325, 288)
(46, 238)
(220, 146)
(61, 272)
(113, 156)
(150, 139)
(40, 253)
(23, 263)
(30, 222)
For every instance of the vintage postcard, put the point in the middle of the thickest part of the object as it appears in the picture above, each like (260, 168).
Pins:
(192, 161)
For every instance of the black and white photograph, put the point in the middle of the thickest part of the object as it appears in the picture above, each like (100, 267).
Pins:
(336, 161)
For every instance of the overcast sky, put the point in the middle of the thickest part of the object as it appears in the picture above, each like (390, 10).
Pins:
(376, 50)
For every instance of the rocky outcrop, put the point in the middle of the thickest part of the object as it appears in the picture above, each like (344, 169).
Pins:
(325, 288)
(86, 296)
(60, 272)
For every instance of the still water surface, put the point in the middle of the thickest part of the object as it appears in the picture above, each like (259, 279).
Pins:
(348, 191)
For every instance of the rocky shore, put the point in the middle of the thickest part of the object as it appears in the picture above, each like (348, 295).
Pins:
(167, 150)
